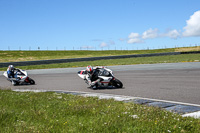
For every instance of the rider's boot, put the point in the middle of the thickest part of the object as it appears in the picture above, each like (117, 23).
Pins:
(94, 87)
(95, 83)
(13, 82)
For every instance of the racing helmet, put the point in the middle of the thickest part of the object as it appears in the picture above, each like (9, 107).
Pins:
(11, 67)
(89, 69)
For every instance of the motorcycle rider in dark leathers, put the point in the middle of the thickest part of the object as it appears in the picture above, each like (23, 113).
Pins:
(92, 77)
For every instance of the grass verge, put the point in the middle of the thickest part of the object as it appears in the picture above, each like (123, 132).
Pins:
(12, 56)
(126, 61)
(55, 112)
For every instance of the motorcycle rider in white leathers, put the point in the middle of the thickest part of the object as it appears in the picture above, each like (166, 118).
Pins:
(92, 76)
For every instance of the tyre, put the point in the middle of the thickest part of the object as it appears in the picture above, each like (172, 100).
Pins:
(117, 83)
(31, 81)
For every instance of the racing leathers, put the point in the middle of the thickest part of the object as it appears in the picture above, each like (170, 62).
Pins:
(93, 78)
(11, 73)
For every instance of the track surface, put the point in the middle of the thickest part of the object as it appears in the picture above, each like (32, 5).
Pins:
(178, 82)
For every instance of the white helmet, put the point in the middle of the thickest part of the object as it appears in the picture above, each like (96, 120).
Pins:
(11, 67)
(89, 69)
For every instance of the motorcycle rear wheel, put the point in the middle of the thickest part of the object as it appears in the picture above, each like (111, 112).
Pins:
(117, 83)
(31, 81)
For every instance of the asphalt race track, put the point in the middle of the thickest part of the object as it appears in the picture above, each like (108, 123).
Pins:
(178, 82)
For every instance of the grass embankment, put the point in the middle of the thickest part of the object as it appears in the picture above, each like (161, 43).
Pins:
(9, 56)
(13, 56)
(126, 61)
(55, 112)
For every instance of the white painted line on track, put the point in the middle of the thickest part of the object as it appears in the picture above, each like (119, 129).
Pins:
(194, 114)
(120, 97)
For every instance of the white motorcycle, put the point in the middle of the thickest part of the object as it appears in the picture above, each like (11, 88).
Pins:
(21, 78)
(106, 77)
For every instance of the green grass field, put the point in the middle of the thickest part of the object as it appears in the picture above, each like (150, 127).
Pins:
(55, 112)
(11, 56)
(126, 61)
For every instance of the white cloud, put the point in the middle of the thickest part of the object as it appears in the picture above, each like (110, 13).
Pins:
(173, 34)
(193, 25)
(191, 29)
(150, 34)
(103, 44)
(135, 40)
(134, 35)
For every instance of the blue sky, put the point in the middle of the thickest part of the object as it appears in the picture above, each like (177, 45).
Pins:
(98, 24)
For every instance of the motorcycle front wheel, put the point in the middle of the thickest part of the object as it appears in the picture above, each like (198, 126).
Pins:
(117, 83)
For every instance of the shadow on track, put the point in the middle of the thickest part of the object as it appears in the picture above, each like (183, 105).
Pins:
(105, 88)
